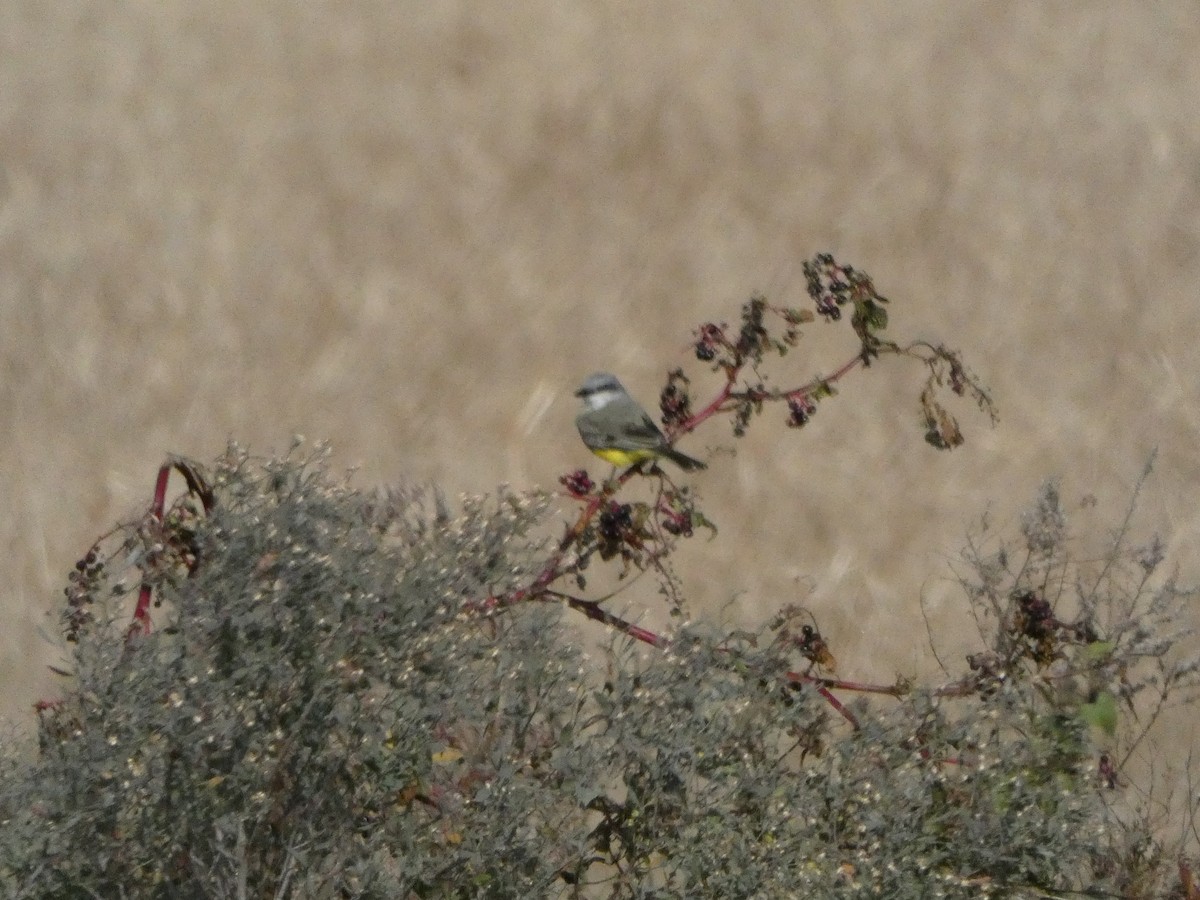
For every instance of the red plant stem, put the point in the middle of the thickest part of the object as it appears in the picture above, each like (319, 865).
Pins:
(718, 403)
(596, 612)
(859, 687)
(709, 411)
(141, 613)
(535, 591)
(797, 678)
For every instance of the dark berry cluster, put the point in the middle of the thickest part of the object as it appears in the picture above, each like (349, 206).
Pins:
(1035, 617)
(813, 647)
(1037, 628)
(616, 520)
(578, 483)
(677, 522)
(801, 636)
(80, 591)
(752, 339)
(1040, 633)
(674, 402)
(826, 285)
(708, 337)
(800, 409)
(617, 531)
(832, 285)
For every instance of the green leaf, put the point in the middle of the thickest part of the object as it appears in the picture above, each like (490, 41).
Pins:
(1099, 651)
(1101, 713)
(699, 520)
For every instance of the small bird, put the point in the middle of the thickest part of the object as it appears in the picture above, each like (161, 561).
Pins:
(617, 429)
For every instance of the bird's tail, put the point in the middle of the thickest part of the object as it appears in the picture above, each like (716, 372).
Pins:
(684, 461)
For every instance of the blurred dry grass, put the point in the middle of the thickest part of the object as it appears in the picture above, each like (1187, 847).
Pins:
(412, 228)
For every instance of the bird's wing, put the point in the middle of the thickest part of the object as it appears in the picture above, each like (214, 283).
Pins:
(640, 435)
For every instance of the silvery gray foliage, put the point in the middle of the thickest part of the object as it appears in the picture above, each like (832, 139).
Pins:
(328, 707)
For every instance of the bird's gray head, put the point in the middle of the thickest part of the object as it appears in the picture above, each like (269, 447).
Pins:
(598, 389)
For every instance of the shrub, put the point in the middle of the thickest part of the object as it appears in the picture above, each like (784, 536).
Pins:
(324, 711)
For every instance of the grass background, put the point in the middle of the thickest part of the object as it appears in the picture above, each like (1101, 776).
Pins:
(413, 228)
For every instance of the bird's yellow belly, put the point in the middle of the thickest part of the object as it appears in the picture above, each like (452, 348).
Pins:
(622, 458)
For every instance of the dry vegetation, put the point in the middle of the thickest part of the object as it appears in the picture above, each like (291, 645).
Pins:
(411, 229)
